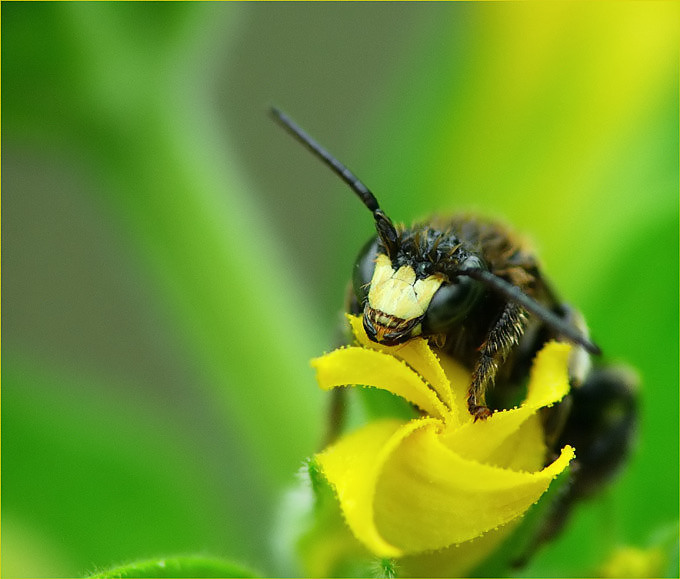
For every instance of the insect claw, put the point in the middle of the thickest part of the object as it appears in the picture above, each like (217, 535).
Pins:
(480, 412)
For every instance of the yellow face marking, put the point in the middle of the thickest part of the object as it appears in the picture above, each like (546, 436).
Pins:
(398, 293)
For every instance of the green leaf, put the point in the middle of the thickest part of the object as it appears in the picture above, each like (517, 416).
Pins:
(183, 566)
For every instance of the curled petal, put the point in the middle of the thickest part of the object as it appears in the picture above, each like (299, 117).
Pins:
(411, 488)
(549, 378)
(419, 356)
(428, 497)
(459, 378)
(548, 384)
(353, 466)
(372, 368)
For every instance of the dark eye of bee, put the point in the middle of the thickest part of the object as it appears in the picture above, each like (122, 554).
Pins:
(363, 269)
(450, 304)
(453, 301)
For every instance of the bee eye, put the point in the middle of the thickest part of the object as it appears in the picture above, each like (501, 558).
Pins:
(363, 269)
(451, 303)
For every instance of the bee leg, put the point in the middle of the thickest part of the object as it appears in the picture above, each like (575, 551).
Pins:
(502, 337)
(601, 427)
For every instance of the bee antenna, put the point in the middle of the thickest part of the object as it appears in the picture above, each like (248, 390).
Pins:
(512, 292)
(386, 230)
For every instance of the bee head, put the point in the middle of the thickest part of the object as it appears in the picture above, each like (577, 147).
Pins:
(410, 292)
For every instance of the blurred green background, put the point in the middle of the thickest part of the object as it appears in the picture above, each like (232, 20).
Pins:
(172, 259)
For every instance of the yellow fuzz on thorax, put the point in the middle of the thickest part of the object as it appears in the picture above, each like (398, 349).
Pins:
(398, 293)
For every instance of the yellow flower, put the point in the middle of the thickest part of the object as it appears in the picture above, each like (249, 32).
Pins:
(634, 562)
(409, 487)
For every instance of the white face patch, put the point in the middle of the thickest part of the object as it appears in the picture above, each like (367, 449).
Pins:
(398, 293)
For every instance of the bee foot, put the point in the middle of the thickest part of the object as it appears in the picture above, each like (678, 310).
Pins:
(480, 412)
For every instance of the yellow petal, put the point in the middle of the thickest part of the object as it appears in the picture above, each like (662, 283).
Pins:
(549, 378)
(548, 383)
(353, 465)
(428, 497)
(524, 450)
(356, 365)
(460, 379)
(457, 560)
(418, 355)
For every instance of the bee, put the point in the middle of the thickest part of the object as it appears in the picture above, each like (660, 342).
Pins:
(474, 288)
